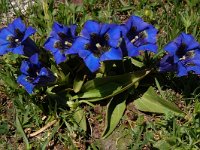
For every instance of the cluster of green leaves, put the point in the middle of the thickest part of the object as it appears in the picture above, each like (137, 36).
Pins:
(117, 87)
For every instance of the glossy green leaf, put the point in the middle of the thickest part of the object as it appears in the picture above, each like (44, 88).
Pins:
(137, 63)
(114, 113)
(102, 91)
(103, 88)
(78, 82)
(151, 102)
(79, 116)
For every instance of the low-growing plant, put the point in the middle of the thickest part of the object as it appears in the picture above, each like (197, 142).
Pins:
(104, 62)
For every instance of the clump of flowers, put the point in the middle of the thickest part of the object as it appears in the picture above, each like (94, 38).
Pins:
(97, 42)
(104, 61)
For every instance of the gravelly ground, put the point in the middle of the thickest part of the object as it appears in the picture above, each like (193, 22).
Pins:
(15, 5)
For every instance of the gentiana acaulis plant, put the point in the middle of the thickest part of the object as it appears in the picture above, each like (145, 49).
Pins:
(97, 42)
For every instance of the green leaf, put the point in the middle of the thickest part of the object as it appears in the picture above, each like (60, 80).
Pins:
(159, 88)
(151, 102)
(102, 91)
(114, 113)
(21, 131)
(79, 116)
(78, 82)
(103, 88)
(137, 63)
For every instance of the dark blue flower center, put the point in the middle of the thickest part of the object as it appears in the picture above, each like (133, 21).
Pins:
(33, 72)
(98, 44)
(181, 50)
(135, 37)
(65, 42)
(19, 34)
(15, 40)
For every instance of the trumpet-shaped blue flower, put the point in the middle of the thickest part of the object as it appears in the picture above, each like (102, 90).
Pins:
(138, 35)
(183, 55)
(167, 64)
(98, 42)
(60, 41)
(15, 39)
(34, 74)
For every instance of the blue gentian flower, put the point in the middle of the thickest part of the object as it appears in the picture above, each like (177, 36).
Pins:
(167, 64)
(138, 35)
(60, 41)
(34, 74)
(98, 42)
(183, 55)
(15, 39)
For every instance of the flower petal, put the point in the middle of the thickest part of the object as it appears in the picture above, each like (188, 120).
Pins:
(34, 59)
(90, 27)
(114, 36)
(182, 70)
(112, 54)
(57, 27)
(43, 72)
(29, 31)
(24, 67)
(132, 50)
(149, 47)
(73, 30)
(167, 64)
(189, 41)
(92, 62)
(4, 49)
(18, 50)
(27, 85)
(79, 44)
(137, 22)
(124, 29)
(18, 24)
(49, 44)
(151, 35)
(105, 27)
(59, 57)
(195, 69)
(5, 33)
(171, 47)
